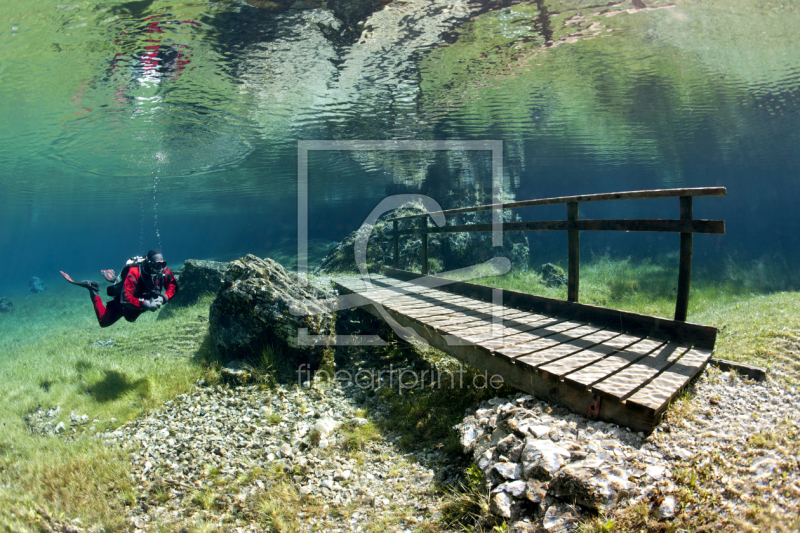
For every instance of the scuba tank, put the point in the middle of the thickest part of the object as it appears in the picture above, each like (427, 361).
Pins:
(115, 290)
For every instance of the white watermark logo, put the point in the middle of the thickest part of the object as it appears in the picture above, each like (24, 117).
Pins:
(403, 379)
(497, 266)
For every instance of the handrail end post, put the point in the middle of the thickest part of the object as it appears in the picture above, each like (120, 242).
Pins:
(574, 254)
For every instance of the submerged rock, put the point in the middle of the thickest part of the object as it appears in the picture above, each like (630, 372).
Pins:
(236, 372)
(542, 459)
(35, 286)
(552, 468)
(597, 488)
(262, 304)
(196, 278)
(447, 251)
(103, 344)
(6, 306)
(552, 275)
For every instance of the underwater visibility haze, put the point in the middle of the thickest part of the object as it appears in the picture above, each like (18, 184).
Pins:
(133, 125)
(127, 126)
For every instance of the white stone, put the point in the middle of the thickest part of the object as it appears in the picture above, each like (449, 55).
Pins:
(539, 431)
(542, 458)
(515, 488)
(510, 471)
(667, 508)
(655, 471)
(326, 426)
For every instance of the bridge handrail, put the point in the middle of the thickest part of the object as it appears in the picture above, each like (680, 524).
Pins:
(686, 225)
(601, 197)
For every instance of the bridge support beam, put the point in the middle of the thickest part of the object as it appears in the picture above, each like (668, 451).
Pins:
(395, 245)
(573, 274)
(685, 267)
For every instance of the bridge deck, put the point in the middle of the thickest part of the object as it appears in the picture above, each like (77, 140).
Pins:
(560, 359)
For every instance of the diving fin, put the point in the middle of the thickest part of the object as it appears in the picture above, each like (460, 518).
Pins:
(93, 286)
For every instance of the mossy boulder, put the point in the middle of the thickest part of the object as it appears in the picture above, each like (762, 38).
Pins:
(445, 251)
(196, 278)
(262, 304)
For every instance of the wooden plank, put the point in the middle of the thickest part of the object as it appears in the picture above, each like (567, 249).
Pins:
(653, 398)
(602, 197)
(657, 225)
(633, 323)
(467, 326)
(468, 315)
(500, 344)
(490, 331)
(567, 345)
(755, 373)
(598, 371)
(622, 341)
(624, 383)
(529, 345)
(432, 313)
(524, 333)
(578, 360)
(581, 338)
(574, 255)
(518, 320)
(456, 322)
(685, 265)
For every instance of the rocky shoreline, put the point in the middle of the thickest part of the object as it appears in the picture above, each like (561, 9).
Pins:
(216, 455)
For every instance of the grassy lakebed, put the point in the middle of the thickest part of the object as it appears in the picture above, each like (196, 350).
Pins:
(47, 361)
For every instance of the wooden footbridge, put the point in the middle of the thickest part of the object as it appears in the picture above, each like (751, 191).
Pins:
(603, 363)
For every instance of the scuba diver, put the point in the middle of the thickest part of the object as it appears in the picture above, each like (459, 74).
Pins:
(137, 289)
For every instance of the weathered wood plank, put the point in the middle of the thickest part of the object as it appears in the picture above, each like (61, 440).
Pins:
(755, 373)
(567, 346)
(517, 320)
(603, 368)
(490, 331)
(628, 380)
(574, 341)
(538, 341)
(578, 360)
(602, 197)
(524, 333)
(653, 398)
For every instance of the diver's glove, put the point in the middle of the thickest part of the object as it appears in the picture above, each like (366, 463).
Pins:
(150, 305)
(160, 300)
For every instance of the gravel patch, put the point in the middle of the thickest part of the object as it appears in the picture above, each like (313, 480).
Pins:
(214, 455)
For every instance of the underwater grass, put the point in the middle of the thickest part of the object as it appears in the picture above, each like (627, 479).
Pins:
(46, 360)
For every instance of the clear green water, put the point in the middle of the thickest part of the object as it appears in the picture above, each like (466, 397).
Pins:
(129, 125)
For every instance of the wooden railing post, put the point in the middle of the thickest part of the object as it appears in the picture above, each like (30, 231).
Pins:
(424, 246)
(574, 256)
(685, 267)
(395, 245)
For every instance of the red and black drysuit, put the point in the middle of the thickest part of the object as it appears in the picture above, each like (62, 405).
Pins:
(127, 304)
